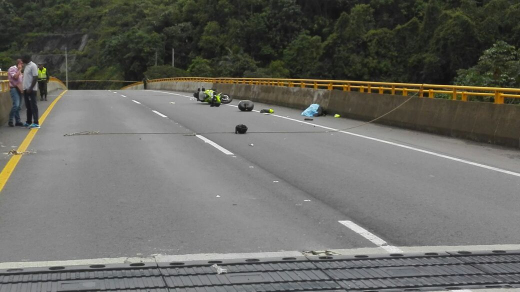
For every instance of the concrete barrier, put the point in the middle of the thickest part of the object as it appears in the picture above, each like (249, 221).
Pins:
(6, 103)
(476, 121)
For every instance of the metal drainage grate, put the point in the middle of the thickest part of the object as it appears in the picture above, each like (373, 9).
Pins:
(412, 272)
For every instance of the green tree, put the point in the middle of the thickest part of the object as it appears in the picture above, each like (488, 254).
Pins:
(164, 71)
(210, 42)
(234, 65)
(456, 46)
(201, 67)
(302, 56)
(133, 51)
(499, 66)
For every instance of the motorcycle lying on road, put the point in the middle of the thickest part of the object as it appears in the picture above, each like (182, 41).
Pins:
(201, 96)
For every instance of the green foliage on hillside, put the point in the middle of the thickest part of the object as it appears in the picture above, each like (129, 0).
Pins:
(381, 40)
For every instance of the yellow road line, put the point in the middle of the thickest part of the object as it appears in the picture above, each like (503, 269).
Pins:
(11, 165)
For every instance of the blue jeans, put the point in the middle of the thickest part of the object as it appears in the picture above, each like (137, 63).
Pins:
(15, 110)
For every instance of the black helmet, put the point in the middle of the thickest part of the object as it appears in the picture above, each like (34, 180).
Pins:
(240, 129)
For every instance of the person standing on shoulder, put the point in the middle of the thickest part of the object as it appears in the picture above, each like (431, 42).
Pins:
(145, 82)
(30, 88)
(14, 74)
(43, 79)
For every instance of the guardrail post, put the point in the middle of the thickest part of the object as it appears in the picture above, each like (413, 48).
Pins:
(303, 85)
(405, 92)
(454, 94)
(393, 89)
(291, 84)
(369, 88)
(330, 87)
(361, 89)
(421, 92)
(431, 94)
(464, 96)
(499, 99)
(315, 85)
(381, 91)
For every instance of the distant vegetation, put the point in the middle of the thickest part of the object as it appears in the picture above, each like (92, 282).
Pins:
(438, 41)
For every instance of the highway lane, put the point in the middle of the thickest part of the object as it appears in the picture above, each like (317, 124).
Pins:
(130, 193)
(406, 197)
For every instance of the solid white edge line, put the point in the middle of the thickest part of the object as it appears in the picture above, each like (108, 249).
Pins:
(159, 114)
(136, 101)
(370, 236)
(208, 141)
(408, 147)
(492, 168)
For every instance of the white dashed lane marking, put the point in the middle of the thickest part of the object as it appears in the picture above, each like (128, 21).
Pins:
(158, 113)
(370, 236)
(208, 141)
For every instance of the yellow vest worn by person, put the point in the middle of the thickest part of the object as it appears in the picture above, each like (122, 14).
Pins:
(42, 74)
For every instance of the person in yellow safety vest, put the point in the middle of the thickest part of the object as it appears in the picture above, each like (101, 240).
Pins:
(212, 98)
(43, 79)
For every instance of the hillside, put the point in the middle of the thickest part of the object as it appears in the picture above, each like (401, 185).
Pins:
(388, 40)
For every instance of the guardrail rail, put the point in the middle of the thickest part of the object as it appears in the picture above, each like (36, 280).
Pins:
(454, 92)
(4, 84)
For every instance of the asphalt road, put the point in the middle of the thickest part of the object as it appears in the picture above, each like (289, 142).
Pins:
(146, 185)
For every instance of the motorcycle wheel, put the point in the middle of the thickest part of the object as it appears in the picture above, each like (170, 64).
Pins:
(224, 98)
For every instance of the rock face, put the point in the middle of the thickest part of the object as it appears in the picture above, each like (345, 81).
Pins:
(51, 50)
(52, 43)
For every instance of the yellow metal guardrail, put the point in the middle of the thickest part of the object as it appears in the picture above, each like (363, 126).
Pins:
(4, 84)
(455, 92)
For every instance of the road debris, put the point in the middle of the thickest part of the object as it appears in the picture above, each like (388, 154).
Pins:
(306, 200)
(82, 133)
(240, 129)
(15, 152)
(314, 110)
(252, 145)
(319, 253)
(218, 196)
(219, 269)
(172, 102)
(337, 116)
(308, 119)
(246, 105)
(267, 111)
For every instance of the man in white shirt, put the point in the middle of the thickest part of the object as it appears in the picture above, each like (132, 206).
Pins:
(30, 87)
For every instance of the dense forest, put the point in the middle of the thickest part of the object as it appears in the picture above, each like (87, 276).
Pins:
(434, 41)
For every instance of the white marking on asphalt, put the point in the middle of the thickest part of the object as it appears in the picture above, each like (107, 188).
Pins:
(115, 91)
(370, 236)
(159, 114)
(208, 141)
(170, 93)
(484, 166)
(123, 95)
(136, 101)
(409, 148)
